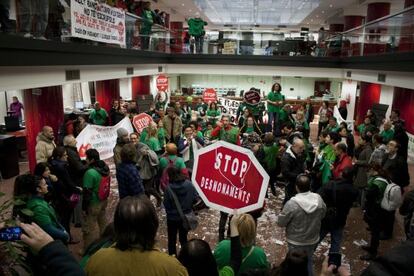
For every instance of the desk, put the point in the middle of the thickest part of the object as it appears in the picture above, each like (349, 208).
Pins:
(9, 157)
(20, 136)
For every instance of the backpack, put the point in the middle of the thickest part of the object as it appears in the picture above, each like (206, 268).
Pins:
(165, 180)
(104, 188)
(392, 198)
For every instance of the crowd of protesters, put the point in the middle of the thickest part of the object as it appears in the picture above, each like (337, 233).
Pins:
(322, 180)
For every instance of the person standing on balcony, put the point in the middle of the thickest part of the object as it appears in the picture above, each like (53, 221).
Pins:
(275, 101)
(146, 25)
(30, 9)
(196, 29)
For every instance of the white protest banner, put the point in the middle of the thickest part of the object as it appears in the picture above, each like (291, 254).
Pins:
(101, 138)
(96, 21)
(229, 107)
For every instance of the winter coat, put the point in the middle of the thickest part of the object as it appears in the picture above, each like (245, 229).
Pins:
(186, 195)
(343, 162)
(58, 260)
(44, 148)
(65, 186)
(292, 165)
(302, 216)
(168, 126)
(76, 168)
(345, 195)
(397, 261)
(361, 165)
(147, 161)
(398, 170)
(117, 153)
(129, 181)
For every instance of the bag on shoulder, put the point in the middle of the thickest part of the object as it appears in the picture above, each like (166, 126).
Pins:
(165, 180)
(104, 188)
(392, 198)
(190, 220)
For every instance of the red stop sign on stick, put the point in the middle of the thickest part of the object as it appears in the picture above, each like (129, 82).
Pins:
(229, 177)
(209, 95)
(141, 121)
(162, 83)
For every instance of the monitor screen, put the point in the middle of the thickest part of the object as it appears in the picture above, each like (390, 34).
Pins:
(79, 105)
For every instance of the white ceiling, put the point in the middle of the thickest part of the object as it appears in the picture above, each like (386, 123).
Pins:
(268, 14)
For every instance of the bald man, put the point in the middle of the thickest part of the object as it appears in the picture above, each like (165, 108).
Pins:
(293, 164)
(45, 144)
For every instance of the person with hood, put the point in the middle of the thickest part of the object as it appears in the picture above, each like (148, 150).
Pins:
(181, 188)
(94, 208)
(275, 100)
(127, 173)
(66, 191)
(45, 144)
(123, 138)
(293, 164)
(196, 29)
(302, 216)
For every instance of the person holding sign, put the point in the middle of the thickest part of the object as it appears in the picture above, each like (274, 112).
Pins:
(224, 131)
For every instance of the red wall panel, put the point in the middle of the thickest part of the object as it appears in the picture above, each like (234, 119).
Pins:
(368, 95)
(377, 10)
(404, 102)
(44, 108)
(336, 28)
(106, 91)
(140, 86)
(352, 21)
(177, 36)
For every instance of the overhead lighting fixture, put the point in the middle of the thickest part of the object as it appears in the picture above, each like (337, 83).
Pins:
(330, 5)
(182, 4)
(323, 11)
(190, 10)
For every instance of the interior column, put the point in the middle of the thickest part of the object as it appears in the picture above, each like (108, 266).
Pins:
(369, 94)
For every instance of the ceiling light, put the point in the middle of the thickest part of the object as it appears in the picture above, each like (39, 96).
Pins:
(311, 20)
(182, 4)
(317, 16)
(330, 5)
(190, 10)
(323, 11)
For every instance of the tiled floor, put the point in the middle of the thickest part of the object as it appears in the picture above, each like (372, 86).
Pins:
(269, 236)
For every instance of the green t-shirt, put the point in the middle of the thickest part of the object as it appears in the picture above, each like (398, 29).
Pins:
(275, 97)
(91, 180)
(98, 117)
(179, 162)
(387, 135)
(43, 213)
(255, 260)
(143, 136)
(382, 185)
(147, 22)
(161, 137)
(153, 143)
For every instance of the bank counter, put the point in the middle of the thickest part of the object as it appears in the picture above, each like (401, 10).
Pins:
(316, 102)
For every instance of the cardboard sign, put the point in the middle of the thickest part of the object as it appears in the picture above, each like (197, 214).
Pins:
(162, 83)
(229, 107)
(209, 95)
(141, 121)
(101, 138)
(234, 180)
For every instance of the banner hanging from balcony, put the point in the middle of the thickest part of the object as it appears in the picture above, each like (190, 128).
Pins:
(98, 22)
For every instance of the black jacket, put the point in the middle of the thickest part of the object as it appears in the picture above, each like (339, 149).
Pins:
(76, 168)
(59, 261)
(292, 165)
(406, 210)
(398, 170)
(350, 143)
(402, 138)
(345, 193)
(186, 195)
(64, 186)
(398, 261)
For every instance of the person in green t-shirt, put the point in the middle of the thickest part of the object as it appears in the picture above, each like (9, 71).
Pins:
(275, 101)
(94, 208)
(388, 133)
(98, 115)
(249, 127)
(196, 29)
(146, 25)
(161, 134)
(213, 113)
(253, 257)
(198, 259)
(171, 155)
(152, 139)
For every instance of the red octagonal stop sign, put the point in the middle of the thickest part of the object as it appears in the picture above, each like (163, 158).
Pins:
(229, 177)
(141, 121)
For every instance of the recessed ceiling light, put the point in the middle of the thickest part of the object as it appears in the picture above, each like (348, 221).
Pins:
(190, 10)
(311, 20)
(317, 16)
(182, 4)
(323, 11)
(330, 5)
